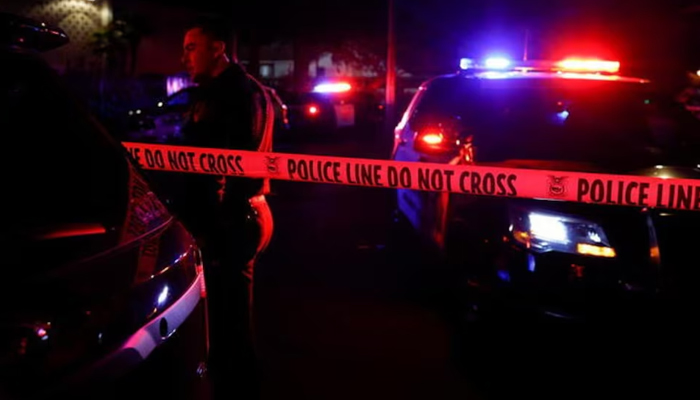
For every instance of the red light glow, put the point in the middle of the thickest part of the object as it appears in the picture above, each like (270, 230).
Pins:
(589, 65)
(432, 138)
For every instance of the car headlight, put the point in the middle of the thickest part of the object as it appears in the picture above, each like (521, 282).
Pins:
(548, 232)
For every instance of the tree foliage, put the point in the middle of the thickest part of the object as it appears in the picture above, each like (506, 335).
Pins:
(118, 43)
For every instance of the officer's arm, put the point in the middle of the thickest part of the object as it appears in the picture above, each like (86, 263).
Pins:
(243, 118)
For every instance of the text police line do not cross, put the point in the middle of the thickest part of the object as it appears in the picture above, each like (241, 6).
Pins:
(624, 190)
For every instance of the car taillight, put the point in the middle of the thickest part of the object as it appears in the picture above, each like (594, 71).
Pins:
(432, 138)
(436, 140)
(312, 110)
(440, 141)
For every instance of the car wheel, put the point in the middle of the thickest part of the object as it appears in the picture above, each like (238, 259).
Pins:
(421, 269)
(477, 300)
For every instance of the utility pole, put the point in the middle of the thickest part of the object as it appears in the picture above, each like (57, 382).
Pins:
(235, 31)
(527, 40)
(390, 91)
(234, 45)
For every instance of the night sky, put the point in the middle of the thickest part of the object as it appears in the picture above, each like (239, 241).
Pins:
(639, 33)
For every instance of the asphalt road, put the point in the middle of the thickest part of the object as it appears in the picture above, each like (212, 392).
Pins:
(338, 316)
(334, 321)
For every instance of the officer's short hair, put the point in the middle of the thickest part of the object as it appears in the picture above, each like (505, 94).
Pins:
(215, 28)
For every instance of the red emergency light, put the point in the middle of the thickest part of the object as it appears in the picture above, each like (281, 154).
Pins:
(588, 65)
(571, 64)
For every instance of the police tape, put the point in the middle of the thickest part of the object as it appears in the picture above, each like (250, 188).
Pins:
(595, 188)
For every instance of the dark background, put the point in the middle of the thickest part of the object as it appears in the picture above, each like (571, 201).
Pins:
(658, 38)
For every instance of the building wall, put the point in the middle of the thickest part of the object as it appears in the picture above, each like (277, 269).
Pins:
(160, 51)
(78, 18)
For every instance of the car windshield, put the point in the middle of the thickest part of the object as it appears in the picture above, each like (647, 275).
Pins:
(181, 98)
(605, 122)
(60, 169)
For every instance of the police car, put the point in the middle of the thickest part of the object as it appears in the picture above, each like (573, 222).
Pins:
(103, 293)
(332, 106)
(554, 259)
(163, 122)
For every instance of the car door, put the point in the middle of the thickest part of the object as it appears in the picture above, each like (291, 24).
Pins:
(411, 203)
(428, 133)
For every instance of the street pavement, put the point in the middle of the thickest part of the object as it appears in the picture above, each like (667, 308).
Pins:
(333, 317)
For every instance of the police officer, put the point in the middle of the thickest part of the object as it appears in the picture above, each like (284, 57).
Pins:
(228, 215)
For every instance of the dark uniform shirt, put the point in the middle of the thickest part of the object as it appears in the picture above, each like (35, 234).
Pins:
(232, 111)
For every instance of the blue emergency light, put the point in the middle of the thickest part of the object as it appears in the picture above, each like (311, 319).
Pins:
(466, 63)
(497, 63)
(491, 63)
(332, 87)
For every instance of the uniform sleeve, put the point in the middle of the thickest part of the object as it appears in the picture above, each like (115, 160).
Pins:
(243, 118)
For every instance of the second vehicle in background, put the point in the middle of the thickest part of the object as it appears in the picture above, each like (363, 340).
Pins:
(331, 107)
(163, 122)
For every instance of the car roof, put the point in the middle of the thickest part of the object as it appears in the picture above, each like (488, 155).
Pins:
(22, 33)
(535, 75)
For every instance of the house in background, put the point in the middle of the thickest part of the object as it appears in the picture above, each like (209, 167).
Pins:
(278, 62)
(151, 66)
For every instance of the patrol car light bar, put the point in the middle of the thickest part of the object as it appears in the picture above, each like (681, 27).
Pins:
(566, 65)
(336, 87)
(583, 65)
(497, 63)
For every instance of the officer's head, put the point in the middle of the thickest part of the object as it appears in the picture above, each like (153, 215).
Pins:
(204, 49)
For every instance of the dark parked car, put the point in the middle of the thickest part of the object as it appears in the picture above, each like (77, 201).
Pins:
(104, 292)
(163, 122)
(554, 259)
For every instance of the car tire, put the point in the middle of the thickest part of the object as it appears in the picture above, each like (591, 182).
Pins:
(477, 299)
(421, 268)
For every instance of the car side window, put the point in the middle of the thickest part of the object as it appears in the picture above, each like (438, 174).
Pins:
(62, 166)
(429, 103)
(181, 98)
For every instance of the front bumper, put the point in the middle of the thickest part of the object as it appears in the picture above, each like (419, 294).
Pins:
(568, 287)
(497, 268)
